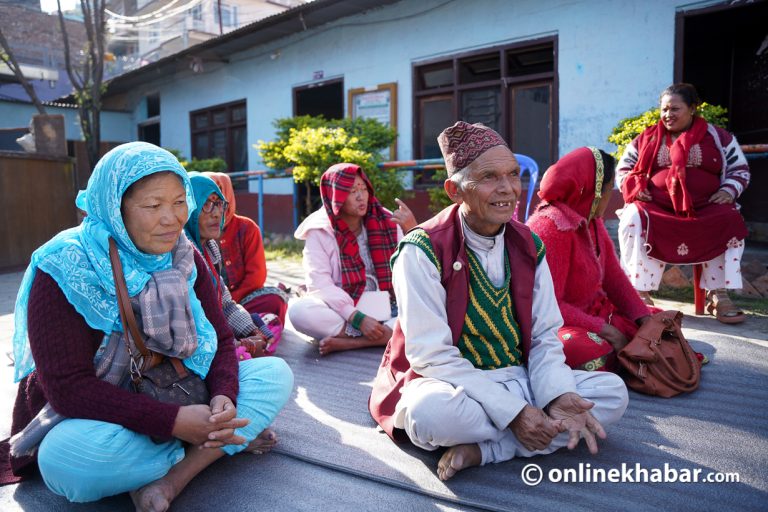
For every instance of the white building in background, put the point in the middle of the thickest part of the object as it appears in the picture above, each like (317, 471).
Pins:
(144, 31)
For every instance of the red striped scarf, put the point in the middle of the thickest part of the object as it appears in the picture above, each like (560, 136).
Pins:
(335, 185)
(648, 144)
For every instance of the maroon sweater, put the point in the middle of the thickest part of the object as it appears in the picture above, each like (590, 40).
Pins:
(64, 345)
(585, 268)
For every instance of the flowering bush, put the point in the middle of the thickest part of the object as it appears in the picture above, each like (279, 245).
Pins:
(310, 145)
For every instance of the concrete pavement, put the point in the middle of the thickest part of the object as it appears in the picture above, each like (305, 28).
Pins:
(279, 481)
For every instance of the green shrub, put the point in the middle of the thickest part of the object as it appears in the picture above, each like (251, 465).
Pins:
(629, 128)
(282, 248)
(310, 145)
(205, 165)
(438, 199)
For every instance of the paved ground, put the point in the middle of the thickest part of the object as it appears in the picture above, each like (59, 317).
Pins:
(290, 481)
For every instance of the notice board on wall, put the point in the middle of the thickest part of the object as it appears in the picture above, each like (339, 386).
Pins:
(379, 102)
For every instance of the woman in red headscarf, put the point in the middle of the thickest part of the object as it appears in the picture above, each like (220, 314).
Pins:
(680, 179)
(601, 311)
(244, 267)
(348, 244)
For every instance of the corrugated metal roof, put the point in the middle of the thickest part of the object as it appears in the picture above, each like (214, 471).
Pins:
(293, 21)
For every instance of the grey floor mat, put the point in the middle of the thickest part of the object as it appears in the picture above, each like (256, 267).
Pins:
(720, 428)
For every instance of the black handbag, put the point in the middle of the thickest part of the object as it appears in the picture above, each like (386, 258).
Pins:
(166, 383)
(165, 379)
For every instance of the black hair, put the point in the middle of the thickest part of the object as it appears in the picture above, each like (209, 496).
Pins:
(609, 168)
(686, 91)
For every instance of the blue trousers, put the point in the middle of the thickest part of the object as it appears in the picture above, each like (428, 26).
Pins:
(86, 460)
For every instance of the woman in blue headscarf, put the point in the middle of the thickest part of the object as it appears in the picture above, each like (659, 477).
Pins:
(204, 228)
(75, 415)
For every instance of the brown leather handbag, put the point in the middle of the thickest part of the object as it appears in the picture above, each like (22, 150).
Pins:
(659, 361)
(165, 379)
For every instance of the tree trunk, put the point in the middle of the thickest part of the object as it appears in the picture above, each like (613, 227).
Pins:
(88, 82)
(89, 123)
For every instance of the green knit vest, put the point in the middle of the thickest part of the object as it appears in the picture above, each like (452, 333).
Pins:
(490, 337)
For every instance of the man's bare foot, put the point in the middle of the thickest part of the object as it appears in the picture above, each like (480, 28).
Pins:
(457, 458)
(153, 497)
(263, 443)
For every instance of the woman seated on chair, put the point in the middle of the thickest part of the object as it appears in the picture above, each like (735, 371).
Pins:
(244, 267)
(203, 229)
(601, 311)
(348, 244)
(76, 417)
(680, 179)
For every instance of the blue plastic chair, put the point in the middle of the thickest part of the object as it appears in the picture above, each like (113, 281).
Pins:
(528, 164)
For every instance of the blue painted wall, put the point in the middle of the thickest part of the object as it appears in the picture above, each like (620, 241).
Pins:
(614, 57)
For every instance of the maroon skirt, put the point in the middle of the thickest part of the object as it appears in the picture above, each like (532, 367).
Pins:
(674, 239)
(697, 239)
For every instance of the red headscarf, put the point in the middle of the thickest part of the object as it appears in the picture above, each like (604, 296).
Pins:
(225, 184)
(573, 180)
(335, 185)
(648, 144)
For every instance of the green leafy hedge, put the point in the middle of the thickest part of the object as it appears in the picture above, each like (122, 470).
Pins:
(205, 165)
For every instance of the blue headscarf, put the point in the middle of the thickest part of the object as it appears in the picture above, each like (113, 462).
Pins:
(78, 258)
(202, 187)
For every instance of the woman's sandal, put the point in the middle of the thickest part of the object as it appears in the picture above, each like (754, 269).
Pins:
(722, 307)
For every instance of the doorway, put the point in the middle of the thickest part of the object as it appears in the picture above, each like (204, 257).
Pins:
(150, 132)
(731, 70)
(319, 99)
(149, 129)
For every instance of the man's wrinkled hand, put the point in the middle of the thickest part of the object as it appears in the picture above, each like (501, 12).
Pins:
(573, 411)
(534, 429)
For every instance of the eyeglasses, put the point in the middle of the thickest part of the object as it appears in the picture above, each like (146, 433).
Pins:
(209, 206)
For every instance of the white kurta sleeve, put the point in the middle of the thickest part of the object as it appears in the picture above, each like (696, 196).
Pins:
(429, 343)
(549, 376)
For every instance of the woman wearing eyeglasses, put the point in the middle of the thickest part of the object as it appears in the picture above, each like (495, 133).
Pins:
(244, 268)
(204, 228)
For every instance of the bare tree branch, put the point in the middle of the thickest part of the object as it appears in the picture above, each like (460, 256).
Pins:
(77, 81)
(8, 57)
(88, 84)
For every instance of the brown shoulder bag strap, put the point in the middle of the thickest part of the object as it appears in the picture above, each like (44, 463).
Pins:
(126, 311)
(128, 319)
